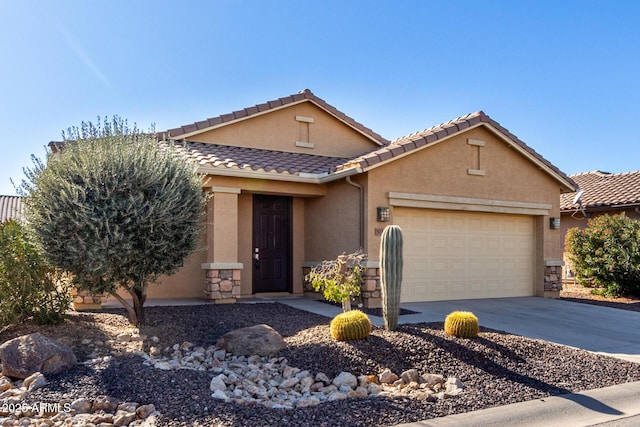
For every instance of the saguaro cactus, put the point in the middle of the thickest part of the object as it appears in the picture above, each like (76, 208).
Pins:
(391, 275)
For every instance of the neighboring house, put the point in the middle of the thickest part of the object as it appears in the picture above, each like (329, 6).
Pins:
(600, 193)
(11, 207)
(295, 181)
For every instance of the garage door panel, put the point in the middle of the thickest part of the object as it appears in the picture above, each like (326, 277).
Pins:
(458, 255)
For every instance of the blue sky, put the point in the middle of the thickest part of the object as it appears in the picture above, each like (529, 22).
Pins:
(564, 76)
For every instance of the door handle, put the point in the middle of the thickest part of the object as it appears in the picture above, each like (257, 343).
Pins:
(256, 258)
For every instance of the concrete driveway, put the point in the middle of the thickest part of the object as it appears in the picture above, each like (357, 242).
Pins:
(598, 329)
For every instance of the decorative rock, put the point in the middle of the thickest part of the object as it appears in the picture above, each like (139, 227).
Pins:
(289, 383)
(271, 382)
(145, 410)
(345, 378)
(218, 383)
(262, 340)
(320, 376)
(34, 381)
(123, 418)
(128, 407)
(336, 395)
(387, 377)
(81, 406)
(32, 353)
(432, 379)
(453, 387)
(5, 384)
(410, 375)
(221, 395)
(105, 403)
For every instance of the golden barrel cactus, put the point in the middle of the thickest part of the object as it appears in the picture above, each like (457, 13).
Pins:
(462, 324)
(350, 325)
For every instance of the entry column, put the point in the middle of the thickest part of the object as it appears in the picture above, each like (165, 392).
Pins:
(223, 271)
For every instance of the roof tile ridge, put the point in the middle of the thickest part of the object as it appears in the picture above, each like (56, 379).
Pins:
(305, 94)
(456, 121)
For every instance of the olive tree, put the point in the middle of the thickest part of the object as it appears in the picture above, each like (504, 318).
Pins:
(115, 208)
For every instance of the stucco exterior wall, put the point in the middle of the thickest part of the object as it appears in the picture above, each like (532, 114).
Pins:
(332, 223)
(279, 130)
(186, 283)
(442, 170)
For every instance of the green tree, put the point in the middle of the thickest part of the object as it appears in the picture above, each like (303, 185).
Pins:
(607, 254)
(339, 279)
(115, 208)
(29, 287)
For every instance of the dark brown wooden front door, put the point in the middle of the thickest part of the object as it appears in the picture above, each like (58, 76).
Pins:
(271, 243)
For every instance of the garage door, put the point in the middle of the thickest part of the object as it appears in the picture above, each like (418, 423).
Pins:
(460, 255)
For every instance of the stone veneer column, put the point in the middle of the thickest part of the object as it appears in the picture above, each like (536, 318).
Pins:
(223, 271)
(222, 283)
(553, 278)
(83, 300)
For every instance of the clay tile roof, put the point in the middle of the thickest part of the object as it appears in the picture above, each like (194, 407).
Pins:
(11, 207)
(603, 189)
(306, 94)
(435, 133)
(224, 156)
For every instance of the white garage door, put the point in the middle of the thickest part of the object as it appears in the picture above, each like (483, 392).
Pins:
(461, 255)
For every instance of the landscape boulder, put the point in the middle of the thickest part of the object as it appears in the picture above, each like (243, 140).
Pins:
(261, 340)
(27, 354)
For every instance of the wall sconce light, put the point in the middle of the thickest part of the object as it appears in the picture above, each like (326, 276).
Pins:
(384, 214)
(554, 223)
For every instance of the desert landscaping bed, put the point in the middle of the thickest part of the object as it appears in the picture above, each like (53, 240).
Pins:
(497, 368)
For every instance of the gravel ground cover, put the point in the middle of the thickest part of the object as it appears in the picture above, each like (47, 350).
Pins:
(497, 368)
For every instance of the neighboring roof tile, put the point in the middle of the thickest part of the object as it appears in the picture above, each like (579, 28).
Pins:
(435, 133)
(177, 133)
(225, 156)
(11, 207)
(603, 189)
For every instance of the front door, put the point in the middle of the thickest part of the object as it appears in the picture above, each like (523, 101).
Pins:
(271, 243)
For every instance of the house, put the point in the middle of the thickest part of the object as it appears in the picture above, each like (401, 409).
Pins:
(11, 207)
(295, 181)
(599, 193)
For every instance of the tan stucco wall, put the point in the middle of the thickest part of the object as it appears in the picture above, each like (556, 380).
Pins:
(442, 170)
(188, 282)
(332, 222)
(279, 130)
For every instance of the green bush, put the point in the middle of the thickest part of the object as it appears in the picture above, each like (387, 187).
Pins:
(115, 209)
(607, 253)
(339, 279)
(29, 287)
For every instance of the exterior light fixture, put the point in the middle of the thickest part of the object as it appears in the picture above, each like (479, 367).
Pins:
(384, 214)
(554, 223)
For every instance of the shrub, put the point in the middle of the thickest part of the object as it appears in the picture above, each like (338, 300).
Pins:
(29, 287)
(116, 209)
(607, 254)
(350, 325)
(339, 279)
(461, 324)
